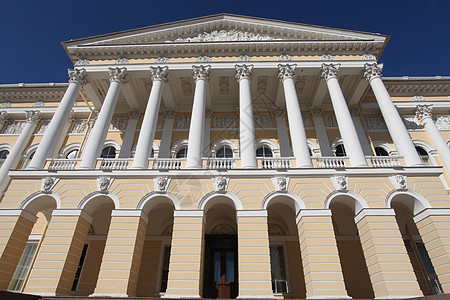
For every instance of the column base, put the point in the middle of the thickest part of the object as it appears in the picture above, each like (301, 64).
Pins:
(173, 296)
(329, 297)
(256, 297)
(109, 295)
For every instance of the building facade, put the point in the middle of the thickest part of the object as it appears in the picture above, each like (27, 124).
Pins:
(226, 157)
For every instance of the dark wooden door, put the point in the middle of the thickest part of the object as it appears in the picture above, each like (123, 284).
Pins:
(223, 281)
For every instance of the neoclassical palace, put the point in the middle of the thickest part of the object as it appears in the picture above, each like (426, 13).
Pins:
(226, 157)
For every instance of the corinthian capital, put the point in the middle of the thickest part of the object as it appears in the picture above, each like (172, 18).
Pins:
(286, 71)
(118, 75)
(78, 76)
(316, 112)
(3, 117)
(330, 71)
(423, 112)
(201, 72)
(244, 72)
(372, 71)
(33, 116)
(159, 73)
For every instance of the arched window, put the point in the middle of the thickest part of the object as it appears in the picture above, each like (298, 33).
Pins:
(340, 150)
(4, 154)
(379, 151)
(108, 152)
(182, 153)
(423, 155)
(224, 152)
(72, 154)
(264, 151)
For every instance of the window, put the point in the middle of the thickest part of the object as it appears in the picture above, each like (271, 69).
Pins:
(165, 269)
(278, 270)
(182, 153)
(4, 154)
(80, 266)
(108, 152)
(264, 151)
(423, 155)
(72, 154)
(224, 152)
(340, 151)
(22, 268)
(381, 152)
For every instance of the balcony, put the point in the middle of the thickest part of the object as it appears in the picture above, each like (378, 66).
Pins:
(268, 163)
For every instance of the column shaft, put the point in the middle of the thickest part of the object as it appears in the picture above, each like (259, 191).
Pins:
(207, 134)
(283, 136)
(186, 261)
(57, 261)
(122, 257)
(394, 122)
(55, 129)
(255, 279)
(98, 133)
(346, 127)
(320, 257)
(387, 262)
(246, 124)
(128, 139)
(195, 144)
(14, 156)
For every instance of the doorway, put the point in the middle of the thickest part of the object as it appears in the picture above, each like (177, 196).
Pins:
(221, 274)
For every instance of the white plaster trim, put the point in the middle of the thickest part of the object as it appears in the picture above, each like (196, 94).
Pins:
(373, 212)
(109, 295)
(73, 213)
(312, 213)
(251, 213)
(174, 296)
(18, 213)
(129, 213)
(188, 213)
(431, 212)
(330, 297)
(34, 237)
(256, 297)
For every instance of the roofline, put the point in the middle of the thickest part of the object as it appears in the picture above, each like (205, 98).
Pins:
(403, 78)
(33, 85)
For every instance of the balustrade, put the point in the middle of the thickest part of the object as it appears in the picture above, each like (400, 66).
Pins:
(329, 162)
(274, 163)
(384, 161)
(168, 163)
(57, 164)
(221, 163)
(114, 163)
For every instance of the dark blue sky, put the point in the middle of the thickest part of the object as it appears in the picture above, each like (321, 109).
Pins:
(31, 31)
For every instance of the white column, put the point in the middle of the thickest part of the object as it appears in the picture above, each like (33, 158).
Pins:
(246, 124)
(128, 139)
(55, 130)
(343, 117)
(98, 133)
(321, 132)
(166, 138)
(283, 136)
(394, 122)
(195, 144)
(148, 127)
(3, 118)
(296, 127)
(354, 111)
(15, 154)
(207, 133)
(425, 116)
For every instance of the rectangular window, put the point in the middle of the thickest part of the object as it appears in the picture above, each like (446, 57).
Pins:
(165, 269)
(22, 268)
(278, 270)
(80, 266)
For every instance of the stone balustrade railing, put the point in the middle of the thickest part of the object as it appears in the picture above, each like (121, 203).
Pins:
(168, 163)
(274, 163)
(58, 164)
(384, 161)
(114, 163)
(221, 163)
(329, 162)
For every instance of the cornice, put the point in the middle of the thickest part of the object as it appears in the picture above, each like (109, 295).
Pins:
(413, 86)
(32, 91)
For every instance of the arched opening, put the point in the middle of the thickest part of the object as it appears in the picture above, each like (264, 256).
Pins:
(42, 207)
(379, 151)
(339, 151)
(285, 257)
(353, 263)
(224, 152)
(154, 268)
(424, 156)
(108, 152)
(182, 152)
(404, 206)
(221, 269)
(263, 152)
(99, 208)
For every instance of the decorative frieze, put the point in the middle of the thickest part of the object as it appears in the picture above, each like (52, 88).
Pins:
(43, 127)
(224, 121)
(14, 127)
(374, 123)
(79, 126)
(160, 122)
(307, 121)
(182, 121)
(224, 36)
(118, 123)
(3, 118)
(264, 121)
(442, 122)
(330, 120)
(411, 123)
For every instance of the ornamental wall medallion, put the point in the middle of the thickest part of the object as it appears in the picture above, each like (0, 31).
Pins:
(104, 183)
(161, 184)
(400, 182)
(280, 183)
(220, 184)
(340, 183)
(48, 183)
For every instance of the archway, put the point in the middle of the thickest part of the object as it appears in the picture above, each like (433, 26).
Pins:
(220, 258)
(154, 267)
(353, 262)
(285, 257)
(406, 206)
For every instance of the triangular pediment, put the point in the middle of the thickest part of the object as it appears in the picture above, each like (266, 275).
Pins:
(221, 29)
